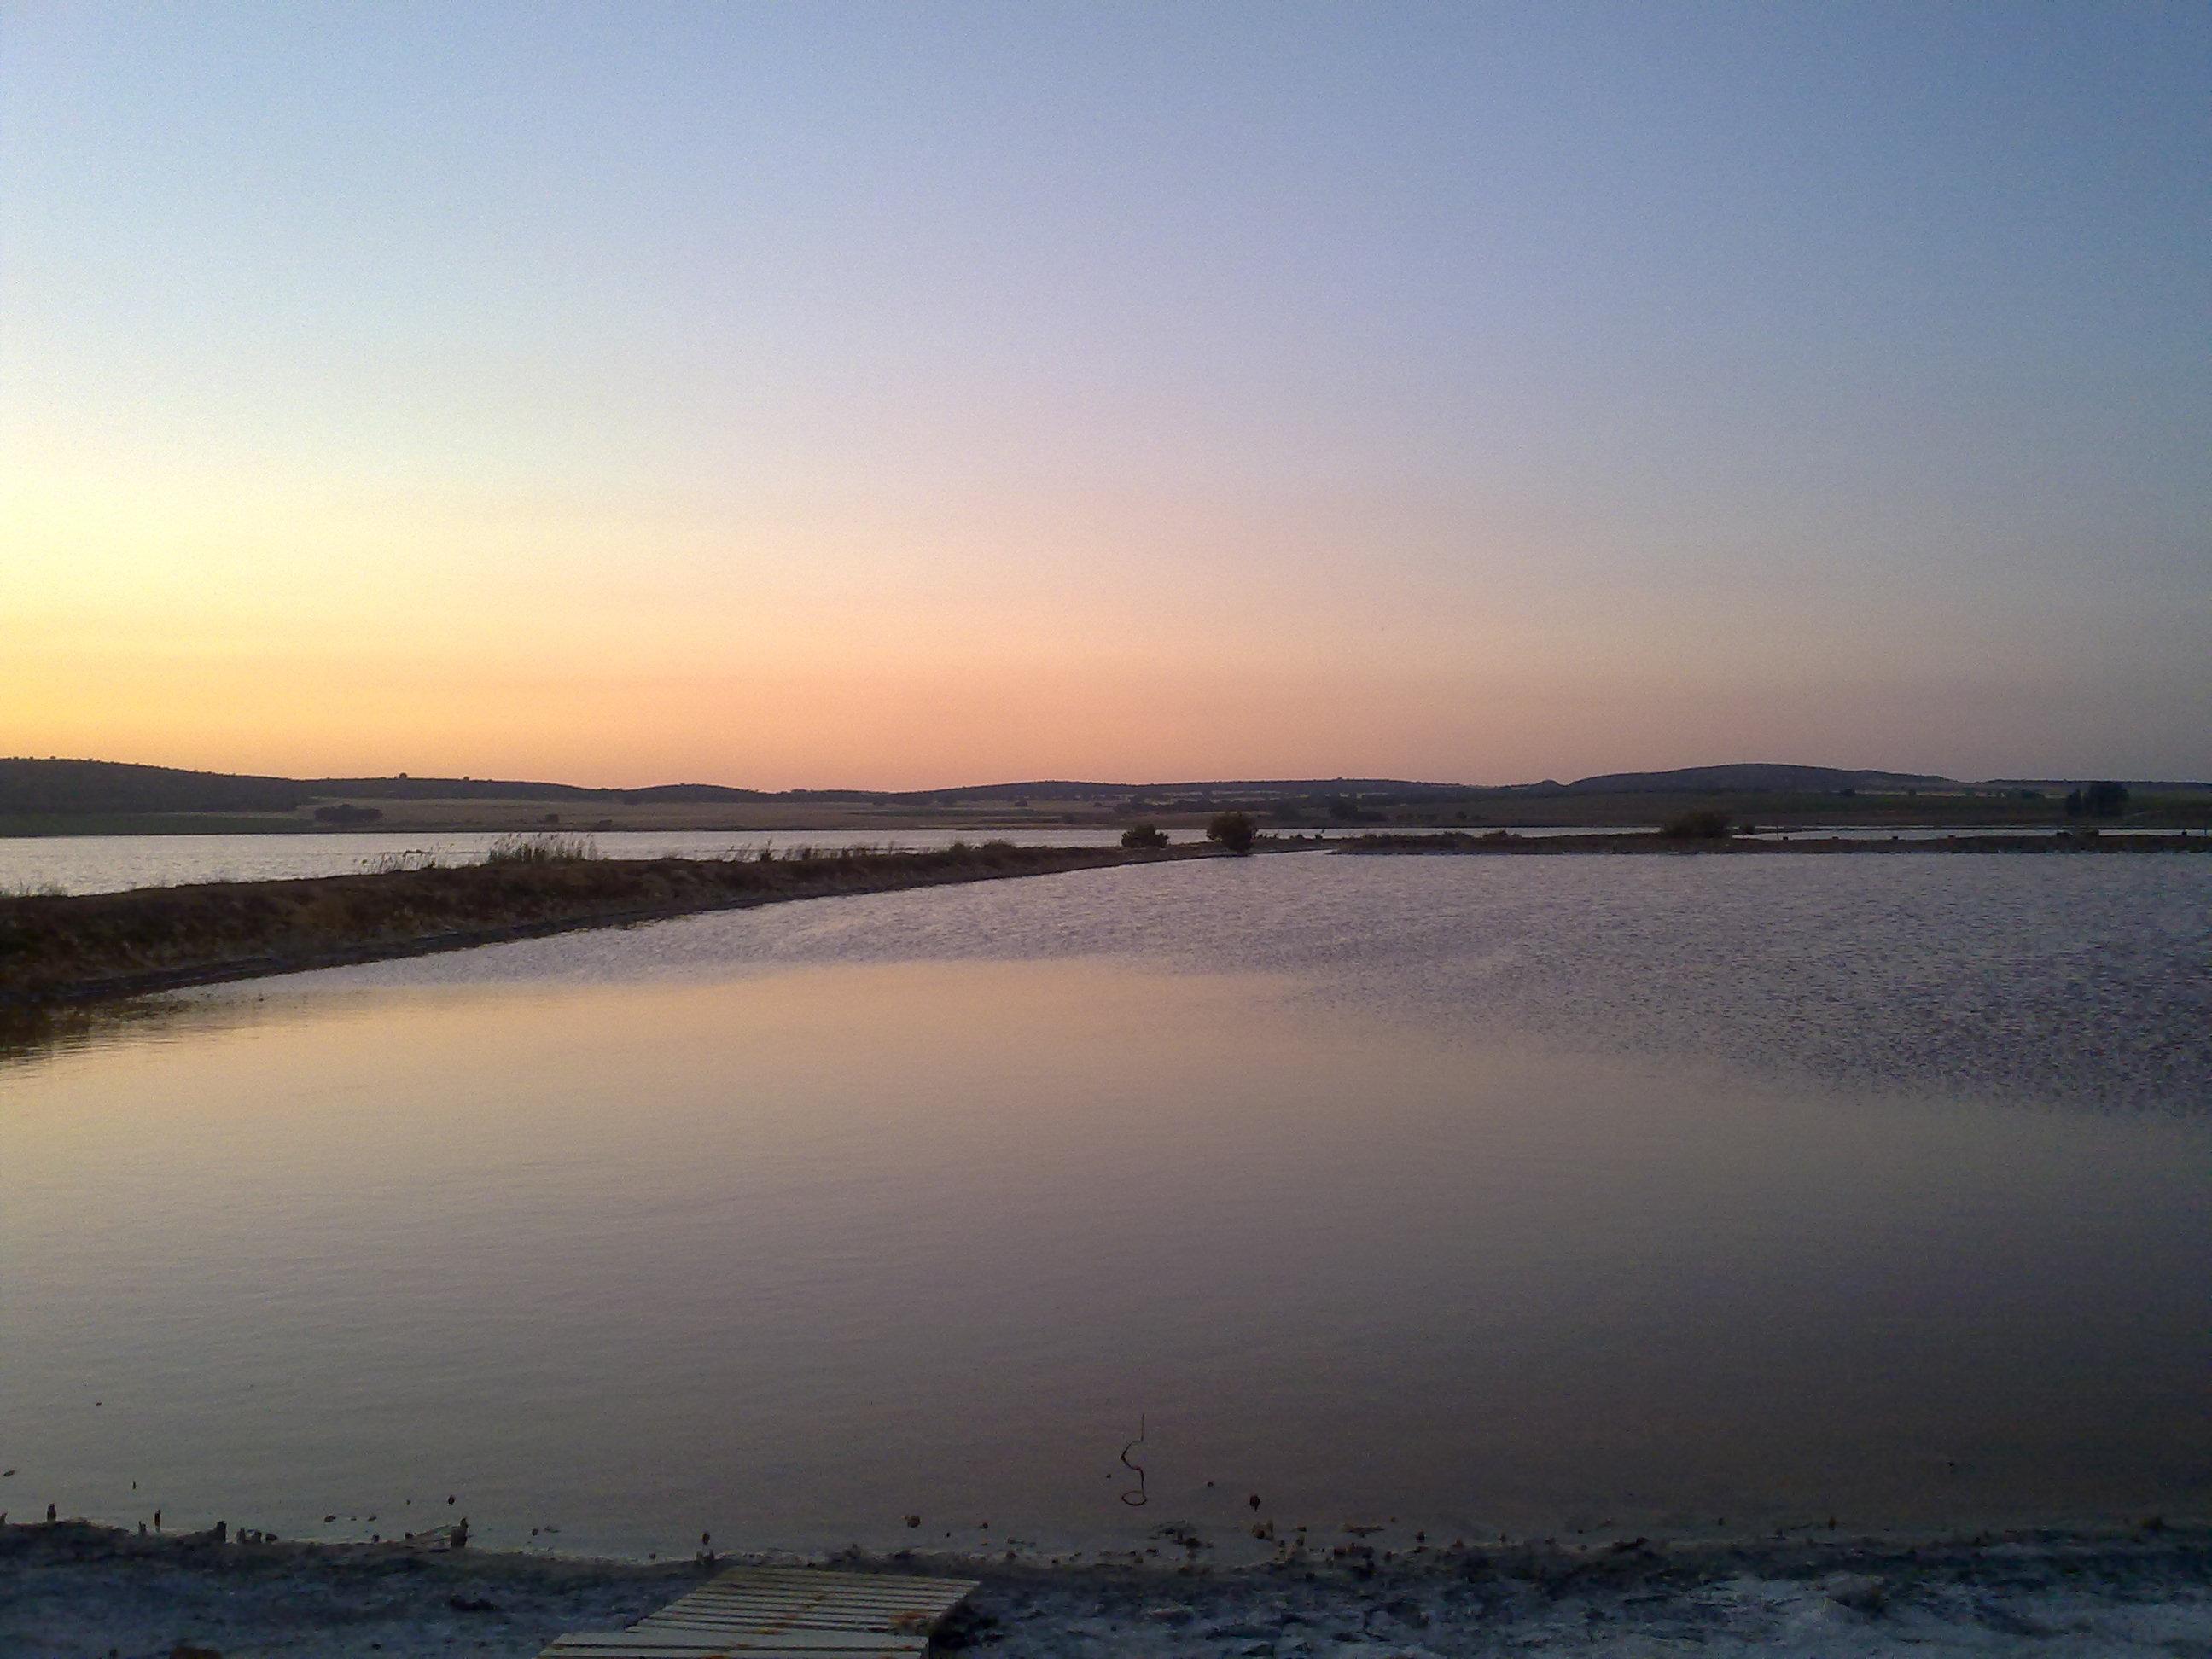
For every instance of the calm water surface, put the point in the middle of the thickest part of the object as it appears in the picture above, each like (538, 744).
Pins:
(1463, 1195)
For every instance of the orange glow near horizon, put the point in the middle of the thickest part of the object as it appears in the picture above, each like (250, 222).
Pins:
(245, 621)
(253, 622)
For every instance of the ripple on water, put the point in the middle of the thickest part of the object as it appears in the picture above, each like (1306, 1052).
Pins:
(2085, 983)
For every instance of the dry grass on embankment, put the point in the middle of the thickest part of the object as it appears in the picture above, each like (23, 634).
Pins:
(95, 945)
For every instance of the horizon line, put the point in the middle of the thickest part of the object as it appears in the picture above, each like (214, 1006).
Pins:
(1031, 785)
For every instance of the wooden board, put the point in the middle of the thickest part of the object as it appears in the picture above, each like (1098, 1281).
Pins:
(799, 1612)
(644, 1645)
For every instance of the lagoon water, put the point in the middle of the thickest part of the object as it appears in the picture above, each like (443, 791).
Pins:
(1455, 1196)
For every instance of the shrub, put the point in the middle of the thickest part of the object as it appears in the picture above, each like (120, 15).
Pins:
(1144, 834)
(1700, 823)
(1234, 830)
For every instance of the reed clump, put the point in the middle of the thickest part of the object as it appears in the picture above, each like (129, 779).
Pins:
(411, 858)
(538, 847)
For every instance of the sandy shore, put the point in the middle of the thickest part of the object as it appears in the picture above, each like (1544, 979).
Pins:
(74, 1591)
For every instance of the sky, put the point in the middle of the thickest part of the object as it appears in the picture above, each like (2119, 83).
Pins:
(898, 396)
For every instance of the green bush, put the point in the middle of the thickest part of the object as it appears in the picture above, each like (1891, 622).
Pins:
(1700, 823)
(1234, 830)
(1145, 834)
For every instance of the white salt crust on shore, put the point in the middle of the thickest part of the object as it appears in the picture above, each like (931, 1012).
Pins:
(74, 1591)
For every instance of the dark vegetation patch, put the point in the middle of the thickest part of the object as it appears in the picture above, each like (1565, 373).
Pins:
(1698, 823)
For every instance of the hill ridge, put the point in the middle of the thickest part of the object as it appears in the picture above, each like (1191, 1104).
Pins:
(59, 786)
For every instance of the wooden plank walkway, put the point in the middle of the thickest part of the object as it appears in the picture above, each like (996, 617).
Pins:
(799, 1612)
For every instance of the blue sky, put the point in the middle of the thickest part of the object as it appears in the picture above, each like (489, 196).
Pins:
(1482, 391)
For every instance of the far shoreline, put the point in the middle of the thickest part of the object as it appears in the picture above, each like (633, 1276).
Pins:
(1506, 843)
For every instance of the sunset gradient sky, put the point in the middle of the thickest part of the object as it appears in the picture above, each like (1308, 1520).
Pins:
(901, 395)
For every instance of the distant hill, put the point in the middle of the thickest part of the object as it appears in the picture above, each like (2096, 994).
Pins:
(87, 786)
(1235, 788)
(47, 787)
(413, 789)
(1749, 778)
(65, 786)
